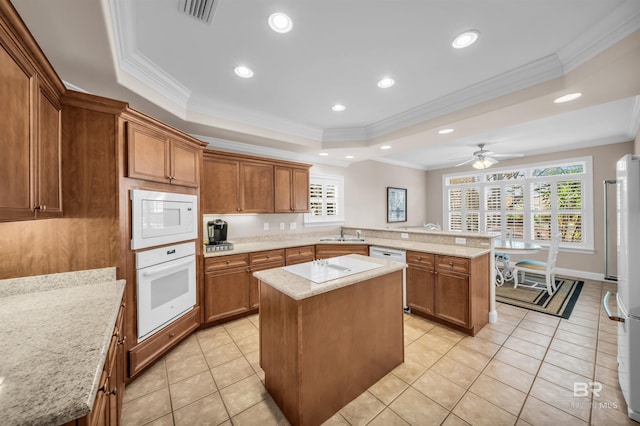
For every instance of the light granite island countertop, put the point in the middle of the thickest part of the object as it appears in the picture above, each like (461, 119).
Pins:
(55, 333)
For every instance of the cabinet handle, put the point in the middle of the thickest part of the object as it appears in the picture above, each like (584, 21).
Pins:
(44, 208)
(116, 333)
(228, 262)
(172, 335)
(103, 388)
(113, 392)
(124, 339)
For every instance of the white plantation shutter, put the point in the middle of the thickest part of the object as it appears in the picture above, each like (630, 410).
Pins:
(533, 202)
(326, 196)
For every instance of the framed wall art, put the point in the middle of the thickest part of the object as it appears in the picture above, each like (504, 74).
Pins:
(396, 204)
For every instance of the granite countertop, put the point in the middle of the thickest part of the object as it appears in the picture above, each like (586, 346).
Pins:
(444, 249)
(56, 331)
(299, 288)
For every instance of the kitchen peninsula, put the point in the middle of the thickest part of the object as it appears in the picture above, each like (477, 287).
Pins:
(325, 340)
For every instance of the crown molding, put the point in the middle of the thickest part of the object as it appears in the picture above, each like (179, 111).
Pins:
(135, 64)
(262, 151)
(614, 27)
(400, 163)
(141, 75)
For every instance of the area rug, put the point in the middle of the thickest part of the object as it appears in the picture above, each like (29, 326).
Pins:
(560, 304)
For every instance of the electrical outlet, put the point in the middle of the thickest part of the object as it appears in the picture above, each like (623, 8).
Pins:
(266, 226)
(292, 225)
(282, 226)
(460, 240)
(404, 235)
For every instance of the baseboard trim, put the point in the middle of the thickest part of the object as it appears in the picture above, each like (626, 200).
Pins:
(575, 273)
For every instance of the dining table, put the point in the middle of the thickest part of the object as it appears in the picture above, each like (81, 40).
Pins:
(502, 250)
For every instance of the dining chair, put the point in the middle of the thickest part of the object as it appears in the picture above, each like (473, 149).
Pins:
(503, 271)
(537, 267)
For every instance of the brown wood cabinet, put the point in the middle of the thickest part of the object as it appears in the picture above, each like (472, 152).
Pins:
(449, 289)
(30, 120)
(420, 282)
(156, 156)
(260, 261)
(233, 183)
(294, 255)
(324, 251)
(230, 288)
(291, 189)
(148, 351)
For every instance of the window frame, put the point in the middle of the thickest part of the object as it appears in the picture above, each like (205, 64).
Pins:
(310, 220)
(478, 180)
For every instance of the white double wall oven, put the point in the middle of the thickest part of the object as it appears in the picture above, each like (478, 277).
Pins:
(162, 225)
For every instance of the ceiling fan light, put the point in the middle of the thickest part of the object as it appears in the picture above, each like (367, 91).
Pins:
(484, 163)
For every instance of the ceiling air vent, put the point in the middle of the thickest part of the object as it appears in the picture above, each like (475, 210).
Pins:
(202, 10)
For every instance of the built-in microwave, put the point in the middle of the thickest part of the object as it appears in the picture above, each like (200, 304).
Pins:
(159, 218)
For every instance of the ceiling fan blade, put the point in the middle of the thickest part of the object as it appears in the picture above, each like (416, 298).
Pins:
(471, 160)
(507, 155)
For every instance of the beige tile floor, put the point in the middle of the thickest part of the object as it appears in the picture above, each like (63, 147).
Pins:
(520, 370)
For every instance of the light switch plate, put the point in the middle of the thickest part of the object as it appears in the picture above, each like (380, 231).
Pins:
(292, 225)
(404, 235)
(266, 226)
(282, 226)
(460, 240)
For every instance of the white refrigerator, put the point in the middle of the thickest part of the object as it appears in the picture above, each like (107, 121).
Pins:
(628, 296)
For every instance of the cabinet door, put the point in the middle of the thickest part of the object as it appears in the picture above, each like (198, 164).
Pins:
(148, 153)
(220, 189)
(254, 295)
(256, 187)
(420, 289)
(300, 190)
(324, 251)
(452, 298)
(17, 81)
(185, 168)
(49, 189)
(226, 293)
(283, 182)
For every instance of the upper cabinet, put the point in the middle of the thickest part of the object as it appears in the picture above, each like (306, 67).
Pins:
(233, 183)
(157, 156)
(291, 189)
(30, 124)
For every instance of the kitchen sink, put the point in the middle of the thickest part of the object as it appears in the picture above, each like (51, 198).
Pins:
(342, 239)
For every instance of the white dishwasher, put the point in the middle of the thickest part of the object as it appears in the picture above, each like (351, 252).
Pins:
(397, 256)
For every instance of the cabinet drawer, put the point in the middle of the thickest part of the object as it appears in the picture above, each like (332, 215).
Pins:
(420, 259)
(266, 257)
(224, 262)
(298, 254)
(147, 352)
(451, 263)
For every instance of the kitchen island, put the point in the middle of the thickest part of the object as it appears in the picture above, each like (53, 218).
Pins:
(323, 343)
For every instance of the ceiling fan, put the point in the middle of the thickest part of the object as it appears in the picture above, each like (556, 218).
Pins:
(483, 158)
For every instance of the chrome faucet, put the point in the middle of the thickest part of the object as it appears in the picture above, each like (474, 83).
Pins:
(341, 233)
(358, 234)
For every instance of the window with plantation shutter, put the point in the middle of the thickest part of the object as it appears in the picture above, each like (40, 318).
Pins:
(531, 201)
(326, 197)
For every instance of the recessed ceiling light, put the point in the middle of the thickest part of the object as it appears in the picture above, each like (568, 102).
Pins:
(243, 71)
(349, 157)
(567, 98)
(338, 107)
(280, 23)
(465, 39)
(385, 147)
(386, 82)
(445, 131)
(323, 154)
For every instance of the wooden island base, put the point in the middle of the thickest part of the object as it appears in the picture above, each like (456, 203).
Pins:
(320, 353)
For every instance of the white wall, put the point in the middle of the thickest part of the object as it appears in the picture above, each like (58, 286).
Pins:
(366, 185)
(604, 161)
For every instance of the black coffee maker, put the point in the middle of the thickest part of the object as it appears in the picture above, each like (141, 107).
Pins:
(217, 230)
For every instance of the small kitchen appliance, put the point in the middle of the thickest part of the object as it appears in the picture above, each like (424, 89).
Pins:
(217, 232)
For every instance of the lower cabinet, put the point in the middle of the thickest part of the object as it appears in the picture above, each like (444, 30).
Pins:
(325, 251)
(149, 350)
(451, 290)
(421, 282)
(295, 255)
(229, 286)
